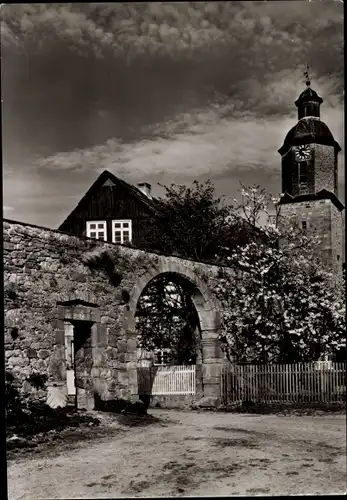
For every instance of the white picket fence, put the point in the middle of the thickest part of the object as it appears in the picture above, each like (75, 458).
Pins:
(166, 380)
(317, 382)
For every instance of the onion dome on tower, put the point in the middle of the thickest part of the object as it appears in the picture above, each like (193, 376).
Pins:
(309, 129)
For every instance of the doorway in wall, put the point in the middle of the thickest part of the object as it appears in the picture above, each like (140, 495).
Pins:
(79, 364)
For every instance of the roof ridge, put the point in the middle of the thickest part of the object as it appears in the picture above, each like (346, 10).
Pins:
(106, 174)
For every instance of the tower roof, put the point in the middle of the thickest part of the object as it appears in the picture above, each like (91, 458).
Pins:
(306, 131)
(308, 95)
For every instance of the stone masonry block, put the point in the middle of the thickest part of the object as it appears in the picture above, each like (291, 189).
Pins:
(211, 371)
(123, 377)
(43, 353)
(131, 345)
(211, 351)
(132, 379)
(121, 346)
(7, 245)
(121, 357)
(212, 390)
(61, 312)
(101, 335)
(60, 337)
(112, 339)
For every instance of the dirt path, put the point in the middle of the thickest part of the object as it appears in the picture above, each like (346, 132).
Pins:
(200, 454)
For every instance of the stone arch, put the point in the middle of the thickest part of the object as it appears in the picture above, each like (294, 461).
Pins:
(209, 318)
(203, 300)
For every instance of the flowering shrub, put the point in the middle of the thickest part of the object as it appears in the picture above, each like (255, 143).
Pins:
(281, 305)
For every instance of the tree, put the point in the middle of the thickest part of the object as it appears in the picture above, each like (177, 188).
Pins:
(167, 319)
(280, 305)
(193, 223)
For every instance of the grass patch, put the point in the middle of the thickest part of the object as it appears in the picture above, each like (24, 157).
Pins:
(295, 408)
(38, 418)
(130, 420)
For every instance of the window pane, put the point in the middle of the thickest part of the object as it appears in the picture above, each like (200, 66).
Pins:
(125, 224)
(101, 235)
(117, 237)
(93, 235)
(117, 224)
(303, 171)
(101, 226)
(92, 226)
(126, 235)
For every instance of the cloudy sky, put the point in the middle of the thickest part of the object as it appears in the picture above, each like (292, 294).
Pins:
(158, 92)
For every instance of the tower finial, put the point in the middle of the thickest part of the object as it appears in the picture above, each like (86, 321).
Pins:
(307, 81)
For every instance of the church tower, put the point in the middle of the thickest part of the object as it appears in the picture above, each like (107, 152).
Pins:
(310, 180)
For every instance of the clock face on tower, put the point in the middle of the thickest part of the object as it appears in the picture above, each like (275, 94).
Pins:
(302, 153)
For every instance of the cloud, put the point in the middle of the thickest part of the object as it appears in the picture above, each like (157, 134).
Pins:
(145, 62)
(242, 131)
(191, 146)
(181, 90)
(171, 28)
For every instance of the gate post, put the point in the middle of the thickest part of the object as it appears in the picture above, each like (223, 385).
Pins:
(132, 364)
(211, 368)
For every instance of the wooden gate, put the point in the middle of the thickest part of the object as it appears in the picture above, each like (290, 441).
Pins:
(166, 380)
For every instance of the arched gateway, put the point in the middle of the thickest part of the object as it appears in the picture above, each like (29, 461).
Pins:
(209, 319)
(70, 314)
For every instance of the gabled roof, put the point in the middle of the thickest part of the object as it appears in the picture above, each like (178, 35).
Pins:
(109, 178)
(321, 195)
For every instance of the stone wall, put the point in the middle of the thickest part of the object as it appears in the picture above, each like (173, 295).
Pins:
(325, 169)
(337, 236)
(323, 220)
(51, 284)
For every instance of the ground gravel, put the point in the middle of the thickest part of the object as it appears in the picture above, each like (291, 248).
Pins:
(189, 453)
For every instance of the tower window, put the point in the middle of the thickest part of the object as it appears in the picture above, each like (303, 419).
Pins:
(303, 172)
(338, 257)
